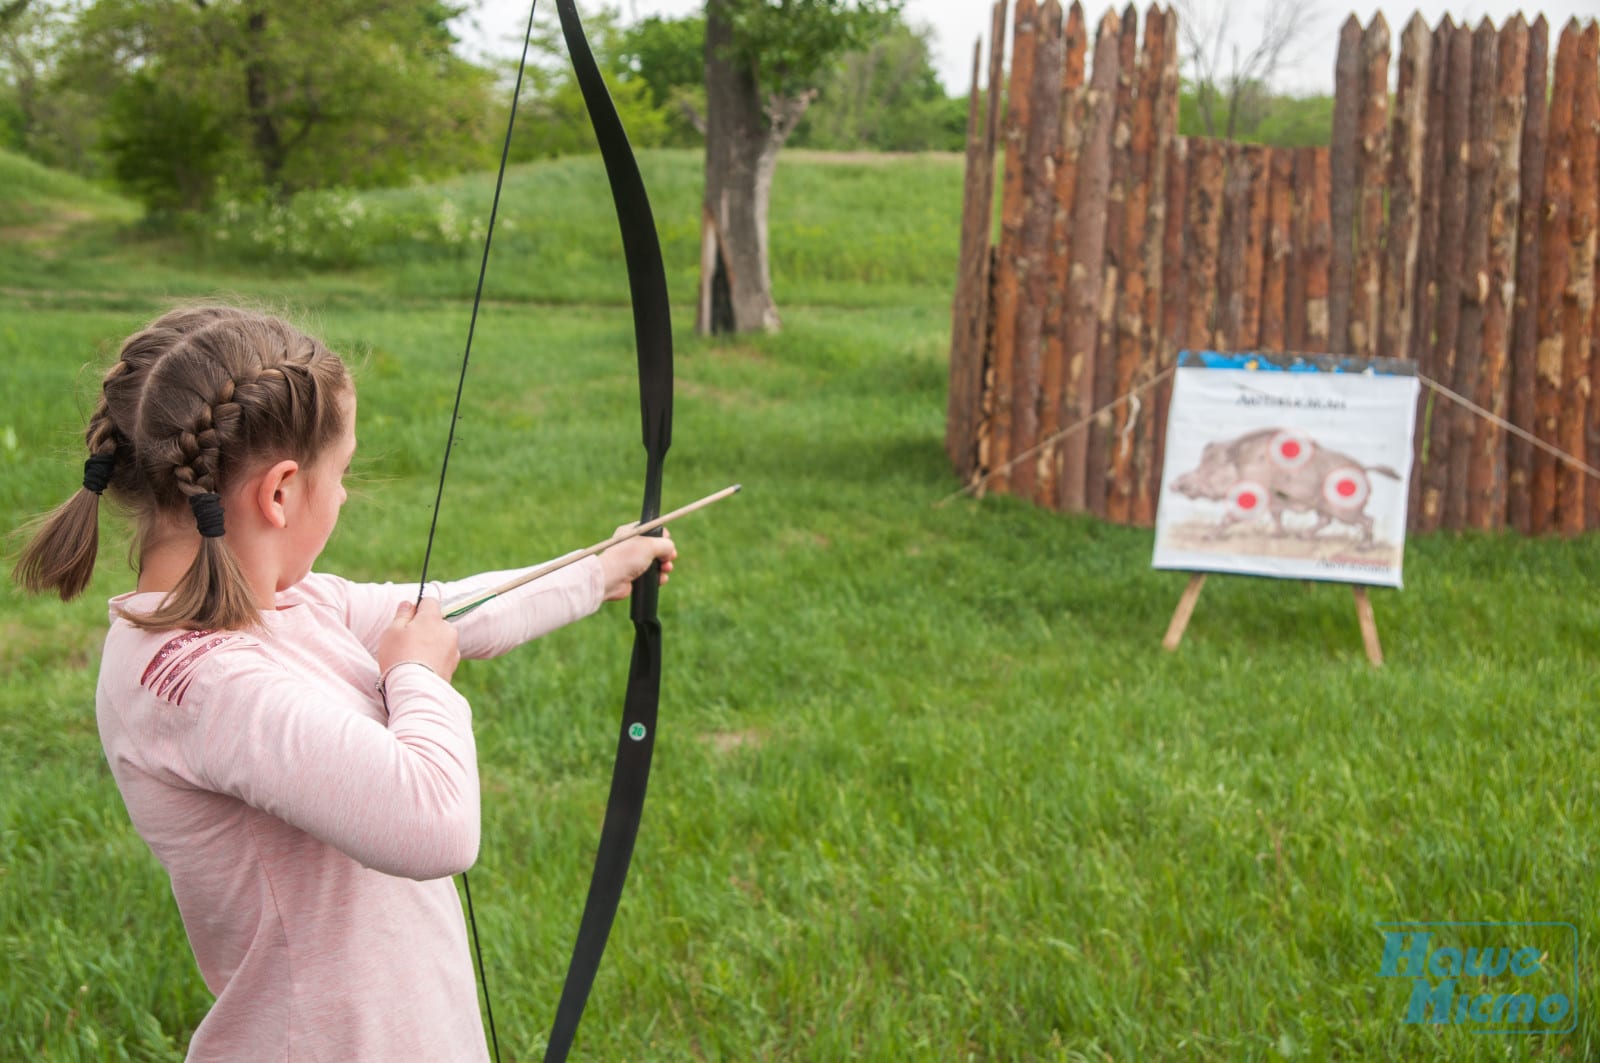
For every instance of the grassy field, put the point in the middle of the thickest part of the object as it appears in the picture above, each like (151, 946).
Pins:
(927, 787)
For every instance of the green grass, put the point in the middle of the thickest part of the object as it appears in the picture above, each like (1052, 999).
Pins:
(927, 787)
(30, 192)
(555, 241)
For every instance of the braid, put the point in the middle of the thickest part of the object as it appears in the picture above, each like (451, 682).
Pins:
(61, 553)
(266, 387)
(232, 394)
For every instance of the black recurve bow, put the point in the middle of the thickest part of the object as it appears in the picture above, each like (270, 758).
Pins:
(647, 286)
(652, 326)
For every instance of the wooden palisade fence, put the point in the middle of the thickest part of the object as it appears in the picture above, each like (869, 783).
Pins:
(1453, 224)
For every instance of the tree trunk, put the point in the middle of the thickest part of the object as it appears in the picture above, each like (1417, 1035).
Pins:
(743, 137)
(264, 138)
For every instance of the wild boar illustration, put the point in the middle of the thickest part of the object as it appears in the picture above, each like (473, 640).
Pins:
(1274, 470)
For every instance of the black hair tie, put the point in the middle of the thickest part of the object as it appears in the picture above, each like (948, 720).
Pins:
(207, 509)
(97, 472)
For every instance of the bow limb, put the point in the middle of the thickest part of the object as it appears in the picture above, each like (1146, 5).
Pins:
(630, 773)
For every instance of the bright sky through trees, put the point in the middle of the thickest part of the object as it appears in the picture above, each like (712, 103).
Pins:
(494, 24)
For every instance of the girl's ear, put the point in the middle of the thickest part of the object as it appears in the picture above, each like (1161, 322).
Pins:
(271, 495)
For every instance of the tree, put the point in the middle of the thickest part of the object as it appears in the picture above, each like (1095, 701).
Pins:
(165, 146)
(1231, 83)
(763, 61)
(38, 116)
(276, 97)
(668, 55)
(1297, 122)
(553, 119)
(19, 77)
(1263, 118)
(886, 97)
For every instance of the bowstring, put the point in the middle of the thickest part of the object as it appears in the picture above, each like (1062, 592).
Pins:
(477, 302)
(449, 444)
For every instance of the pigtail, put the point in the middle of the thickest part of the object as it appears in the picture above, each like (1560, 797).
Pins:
(197, 399)
(63, 545)
(213, 594)
(60, 555)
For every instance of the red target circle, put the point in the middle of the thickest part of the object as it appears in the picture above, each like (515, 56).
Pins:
(1247, 499)
(1290, 449)
(1346, 488)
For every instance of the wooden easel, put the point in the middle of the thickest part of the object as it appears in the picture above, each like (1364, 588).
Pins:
(1197, 580)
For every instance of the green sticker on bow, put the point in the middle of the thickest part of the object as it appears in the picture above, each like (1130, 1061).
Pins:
(636, 732)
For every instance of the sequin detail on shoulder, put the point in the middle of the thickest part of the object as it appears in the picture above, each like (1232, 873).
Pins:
(168, 674)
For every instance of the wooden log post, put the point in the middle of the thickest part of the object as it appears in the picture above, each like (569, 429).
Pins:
(1405, 191)
(1259, 159)
(1315, 262)
(1423, 341)
(1233, 255)
(1086, 271)
(1203, 238)
(1592, 452)
(1008, 267)
(1119, 260)
(1039, 194)
(1069, 146)
(1486, 486)
(1129, 325)
(1474, 290)
(1244, 228)
(1294, 295)
(1276, 260)
(1452, 239)
(967, 313)
(1577, 304)
(1553, 278)
(1438, 91)
(983, 412)
(1174, 294)
(1523, 403)
(1372, 160)
(1153, 357)
(1343, 155)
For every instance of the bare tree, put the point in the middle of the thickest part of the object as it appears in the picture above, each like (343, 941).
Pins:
(1227, 78)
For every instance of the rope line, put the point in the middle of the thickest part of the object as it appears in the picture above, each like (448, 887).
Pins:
(1505, 425)
(1133, 397)
(1076, 426)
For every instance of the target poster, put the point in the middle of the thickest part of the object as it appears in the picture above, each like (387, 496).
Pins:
(1290, 466)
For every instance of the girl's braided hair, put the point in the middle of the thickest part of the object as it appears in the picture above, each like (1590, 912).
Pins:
(197, 400)
(60, 555)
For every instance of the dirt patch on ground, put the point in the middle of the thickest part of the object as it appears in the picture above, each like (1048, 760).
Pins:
(729, 741)
(46, 236)
(725, 398)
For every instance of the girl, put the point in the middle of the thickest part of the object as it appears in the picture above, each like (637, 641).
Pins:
(287, 742)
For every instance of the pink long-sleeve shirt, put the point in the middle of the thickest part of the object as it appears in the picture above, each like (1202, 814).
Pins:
(308, 829)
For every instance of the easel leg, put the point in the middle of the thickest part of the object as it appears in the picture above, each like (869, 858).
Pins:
(1369, 626)
(1181, 615)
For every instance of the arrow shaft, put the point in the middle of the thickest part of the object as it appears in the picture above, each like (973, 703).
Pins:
(471, 602)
